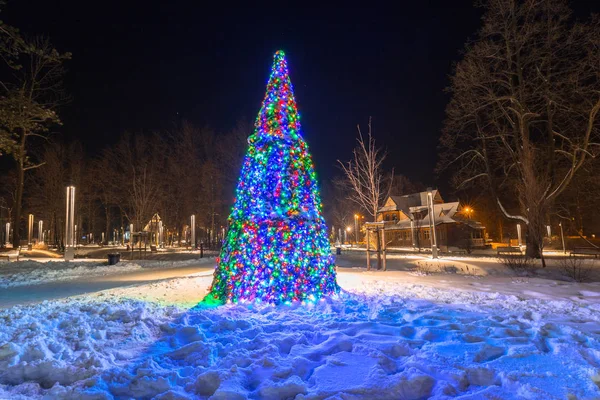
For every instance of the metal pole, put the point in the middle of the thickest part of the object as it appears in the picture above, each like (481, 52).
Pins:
(41, 231)
(7, 233)
(432, 237)
(356, 230)
(412, 233)
(562, 237)
(30, 231)
(70, 224)
(383, 248)
(368, 252)
(519, 235)
(193, 231)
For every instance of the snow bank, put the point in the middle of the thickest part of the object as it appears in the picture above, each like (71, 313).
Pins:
(32, 272)
(380, 340)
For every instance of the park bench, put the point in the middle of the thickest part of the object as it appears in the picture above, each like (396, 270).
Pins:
(586, 251)
(509, 250)
(455, 250)
(14, 254)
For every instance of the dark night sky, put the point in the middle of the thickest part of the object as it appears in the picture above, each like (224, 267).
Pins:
(142, 65)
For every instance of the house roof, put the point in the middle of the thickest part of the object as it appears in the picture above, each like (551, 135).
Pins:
(445, 213)
(404, 203)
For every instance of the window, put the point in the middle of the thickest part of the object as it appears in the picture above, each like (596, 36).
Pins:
(426, 234)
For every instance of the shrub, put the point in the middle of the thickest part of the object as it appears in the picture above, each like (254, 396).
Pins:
(576, 268)
(518, 263)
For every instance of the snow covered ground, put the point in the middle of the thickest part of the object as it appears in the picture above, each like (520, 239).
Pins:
(32, 272)
(392, 335)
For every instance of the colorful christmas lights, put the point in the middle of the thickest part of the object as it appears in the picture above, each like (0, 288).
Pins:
(276, 249)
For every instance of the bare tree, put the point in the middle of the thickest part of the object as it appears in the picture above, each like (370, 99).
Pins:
(522, 120)
(137, 168)
(28, 104)
(365, 174)
(61, 165)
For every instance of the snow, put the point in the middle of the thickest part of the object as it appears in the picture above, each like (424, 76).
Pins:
(390, 335)
(32, 272)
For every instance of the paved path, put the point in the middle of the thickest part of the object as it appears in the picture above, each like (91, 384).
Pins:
(22, 295)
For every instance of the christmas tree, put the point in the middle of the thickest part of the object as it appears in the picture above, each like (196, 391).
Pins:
(276, 249)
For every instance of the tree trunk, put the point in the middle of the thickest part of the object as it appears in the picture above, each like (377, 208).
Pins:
(107, 212)
(533, 247)
(19, 196)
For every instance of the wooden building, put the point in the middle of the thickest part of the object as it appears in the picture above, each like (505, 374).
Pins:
(407, 220)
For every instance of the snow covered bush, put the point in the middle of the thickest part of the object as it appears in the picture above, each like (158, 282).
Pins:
(518, 263)
(576, 268)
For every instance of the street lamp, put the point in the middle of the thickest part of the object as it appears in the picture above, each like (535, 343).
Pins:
(432, 223)
(70, 224)
(30, 232)
(356, 229)
(468, 210)
(348, 229)
(562, 237)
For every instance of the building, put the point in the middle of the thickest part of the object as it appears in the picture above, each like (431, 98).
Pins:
(406, 221)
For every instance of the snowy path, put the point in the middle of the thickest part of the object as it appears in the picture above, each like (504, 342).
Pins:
(31, 294)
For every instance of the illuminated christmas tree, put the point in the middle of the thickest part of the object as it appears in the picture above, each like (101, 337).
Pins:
(276, 249)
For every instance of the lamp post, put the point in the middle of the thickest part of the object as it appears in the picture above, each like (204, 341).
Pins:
(193, 231)
(7, 233)
(356, 229)
(160, 234)
(30, 232)
(348, 229)
(41, 231)
(468, 211)
(519, 235)
(432, 224)
(70, 224)
(562, 237)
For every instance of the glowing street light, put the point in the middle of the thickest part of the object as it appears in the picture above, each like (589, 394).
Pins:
(70, 224)
(468, 211)
(356, 229)
(30, 232)
(193, 231)
(562, 237)
(432, 224)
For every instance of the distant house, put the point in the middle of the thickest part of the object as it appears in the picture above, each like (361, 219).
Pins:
(406, 220)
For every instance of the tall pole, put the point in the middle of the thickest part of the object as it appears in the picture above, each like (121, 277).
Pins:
(193, 231)
(30, 232)
(41, 231)
(432, 236)
(383, 246)
(356, 229)
(7, 233)
(518, 235)
(368, 252)
(562, 237)
(70, 224)
(160, 233)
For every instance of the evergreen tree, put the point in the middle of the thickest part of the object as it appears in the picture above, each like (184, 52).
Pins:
(276, 249)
